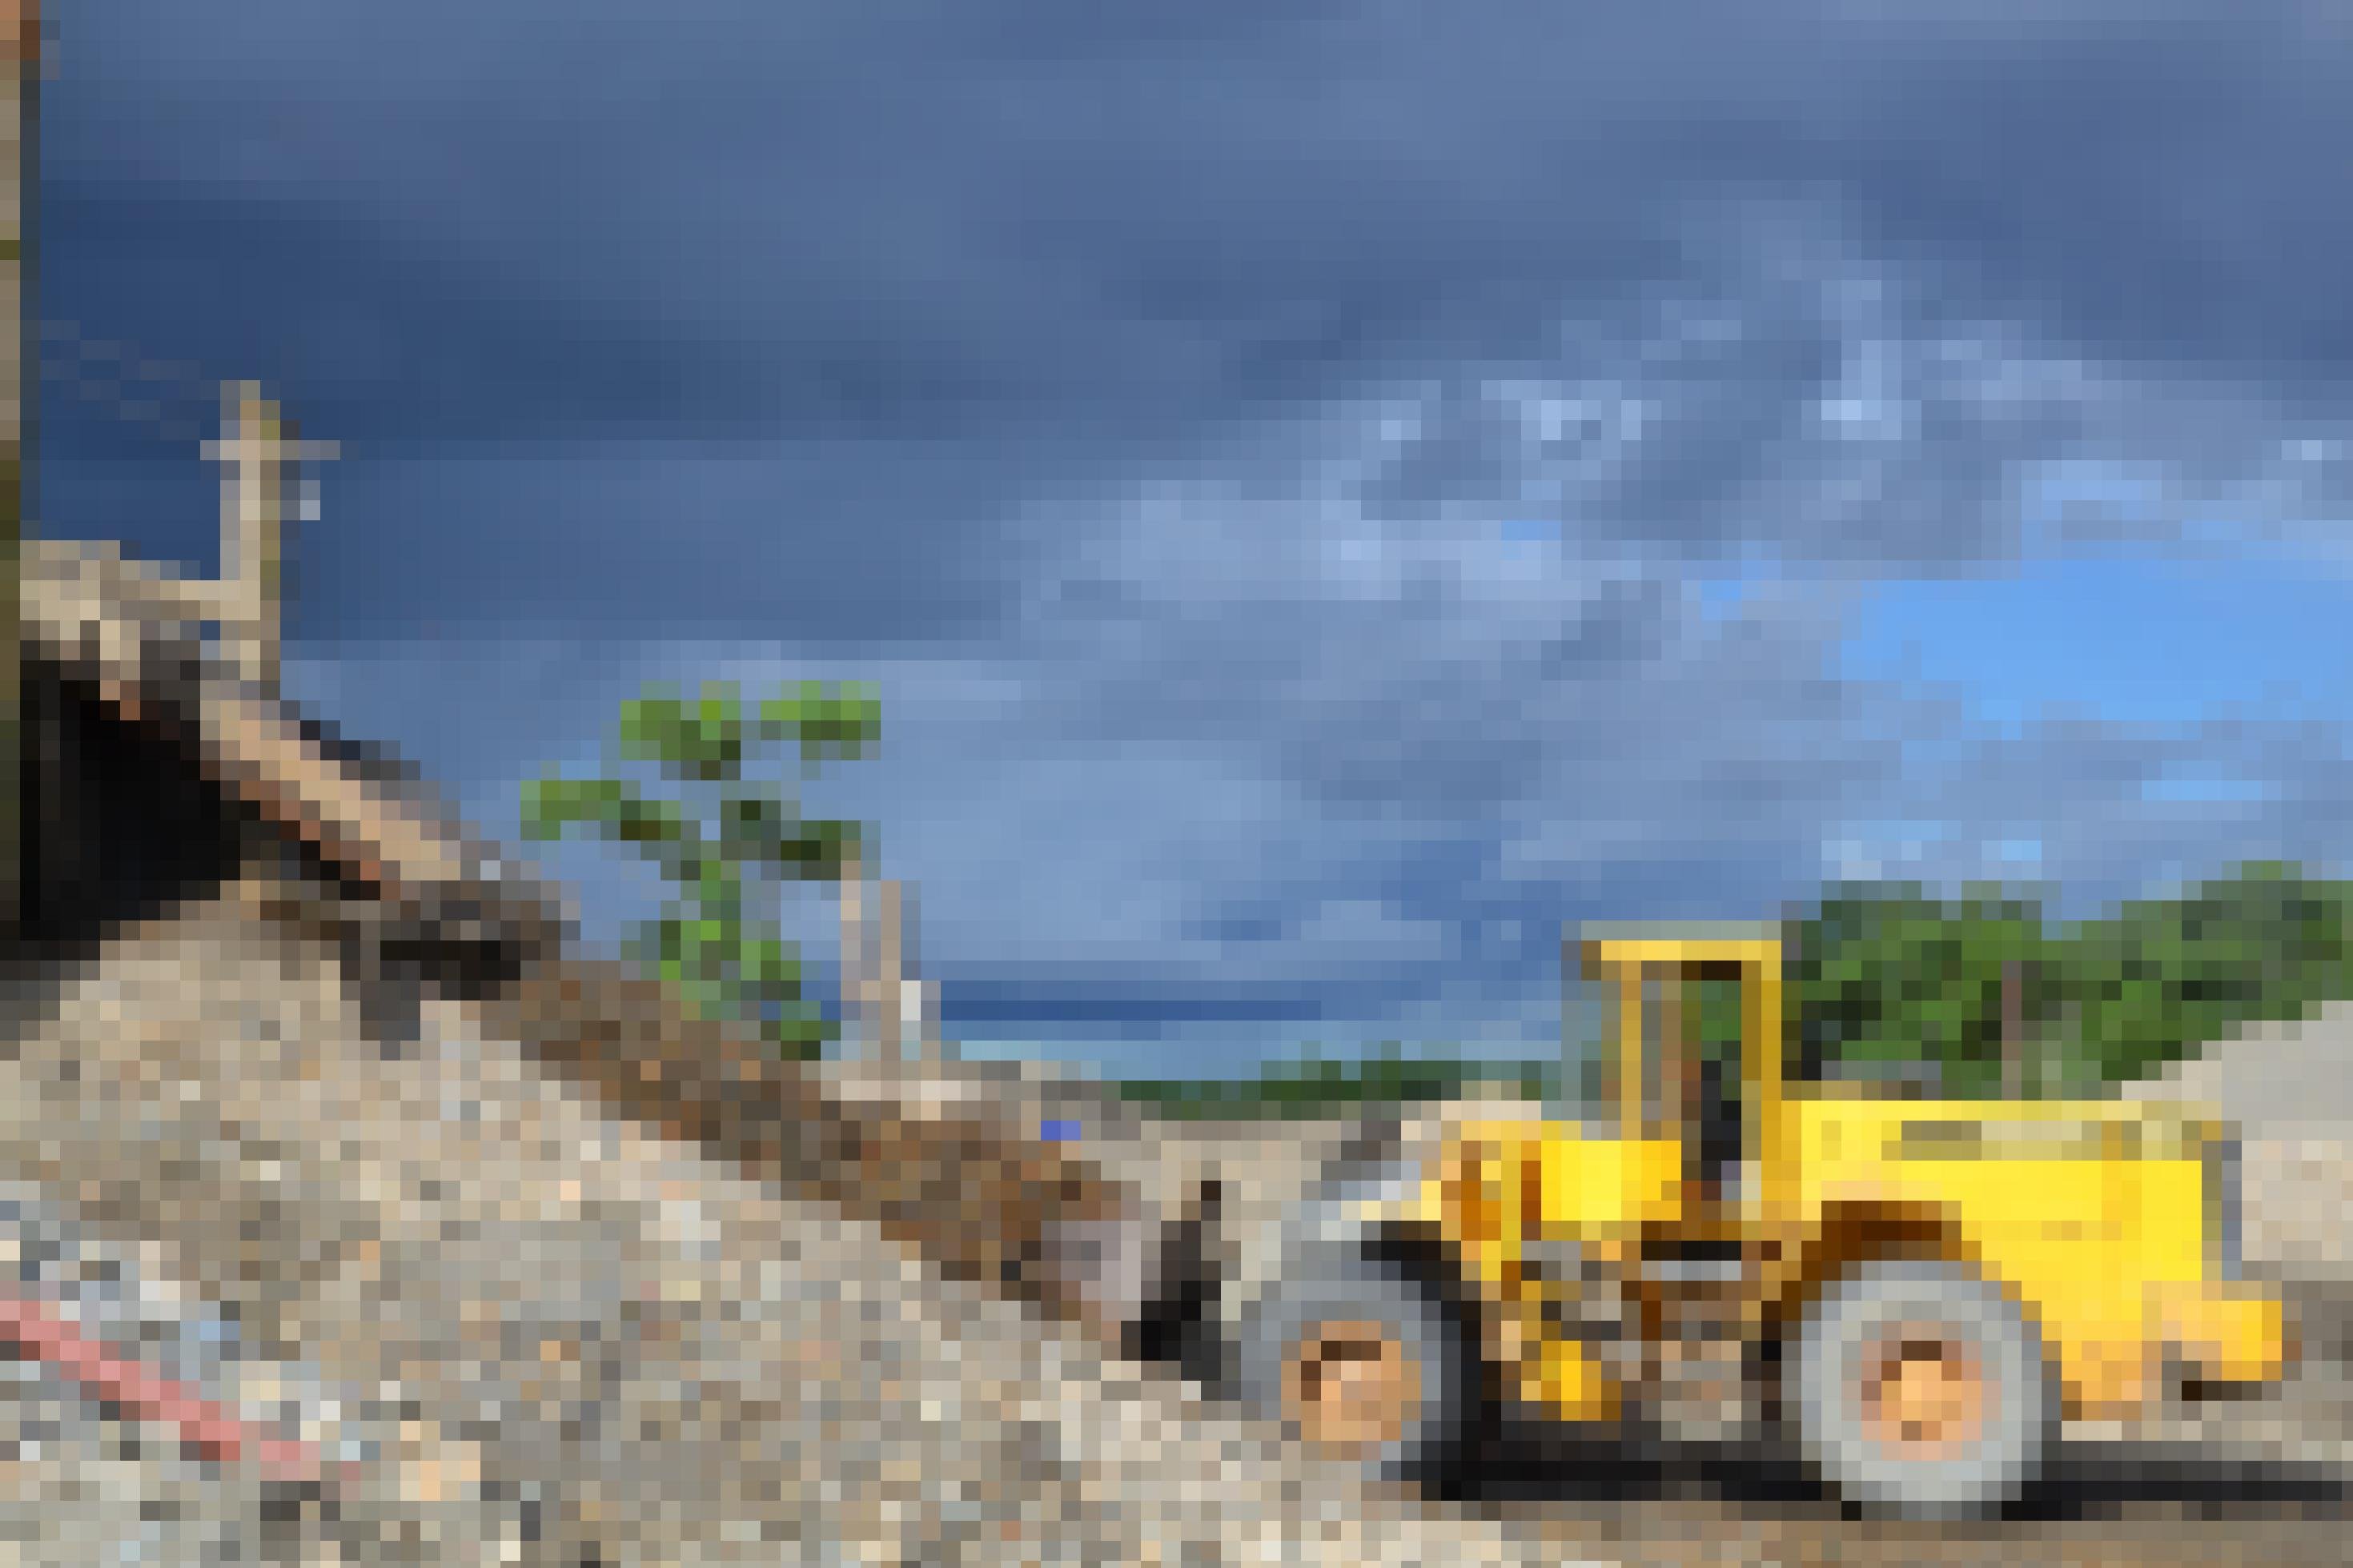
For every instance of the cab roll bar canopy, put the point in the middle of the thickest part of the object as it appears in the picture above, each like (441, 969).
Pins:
(1627, 955)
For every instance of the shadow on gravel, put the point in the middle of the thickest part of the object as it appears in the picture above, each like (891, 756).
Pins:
(2085, 1481)
(1527, 1463)
(2094, 1480)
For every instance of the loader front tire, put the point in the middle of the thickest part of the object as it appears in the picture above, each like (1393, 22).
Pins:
(1921, 1391)
(1359, 1363)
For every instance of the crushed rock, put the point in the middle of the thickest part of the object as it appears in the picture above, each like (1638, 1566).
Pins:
(560, 1339)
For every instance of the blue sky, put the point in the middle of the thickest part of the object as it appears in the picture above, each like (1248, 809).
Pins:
(2143, 639)
(1308, 550)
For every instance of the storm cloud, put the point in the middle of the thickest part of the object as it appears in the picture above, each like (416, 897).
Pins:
(1331, 491)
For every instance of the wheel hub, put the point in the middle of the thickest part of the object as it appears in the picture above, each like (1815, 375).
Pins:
(1924, 1397)
(1350, 1386)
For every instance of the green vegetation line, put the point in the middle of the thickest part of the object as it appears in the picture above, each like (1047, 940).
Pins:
(1884, 980)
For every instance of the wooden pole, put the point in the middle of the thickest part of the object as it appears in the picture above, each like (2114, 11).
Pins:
(19, 168)
(258, 534)
(856, 1003)
(260, 452)
(890, 978)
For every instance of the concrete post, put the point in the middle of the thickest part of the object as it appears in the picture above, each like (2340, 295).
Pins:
(857, 1001)
(916, 1004)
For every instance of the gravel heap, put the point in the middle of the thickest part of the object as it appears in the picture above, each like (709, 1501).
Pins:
(90, 1484)
(546, 1336)
(2286, 1087)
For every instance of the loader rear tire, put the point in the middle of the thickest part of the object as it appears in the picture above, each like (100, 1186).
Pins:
(1921, 1391)
(1358, 1362)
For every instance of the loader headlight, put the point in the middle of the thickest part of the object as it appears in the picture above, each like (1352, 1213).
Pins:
(1378, 1195)
(1341, 1205)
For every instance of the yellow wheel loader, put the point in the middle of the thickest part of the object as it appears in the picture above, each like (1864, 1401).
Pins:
(1910, 1293)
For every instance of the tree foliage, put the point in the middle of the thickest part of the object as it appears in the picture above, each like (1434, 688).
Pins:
(1887, 976)
(1881, 976)
(1883, 979)
(727, 846)
(2266, 944)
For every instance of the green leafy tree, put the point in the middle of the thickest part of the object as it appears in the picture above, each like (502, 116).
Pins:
(2263, 942)
(1885, 976)
(727, 846)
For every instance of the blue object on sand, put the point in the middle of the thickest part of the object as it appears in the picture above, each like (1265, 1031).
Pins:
(1059, 1131)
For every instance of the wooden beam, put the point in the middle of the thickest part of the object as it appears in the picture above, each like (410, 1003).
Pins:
(83, 607)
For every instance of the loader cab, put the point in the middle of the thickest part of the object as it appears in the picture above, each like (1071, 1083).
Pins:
(1694, 1063)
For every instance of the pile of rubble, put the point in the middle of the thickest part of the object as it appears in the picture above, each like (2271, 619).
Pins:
(537, 1331)
(2286, 1087)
